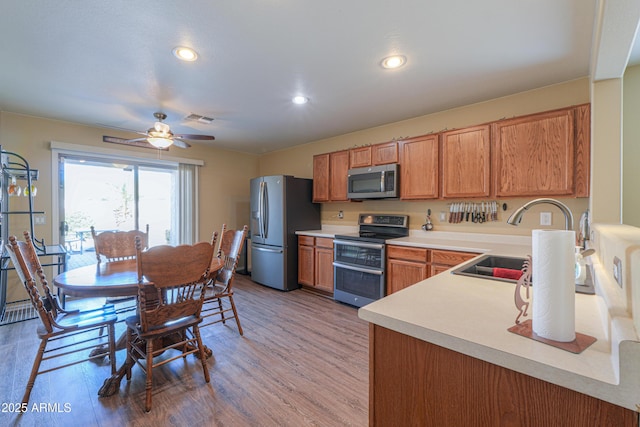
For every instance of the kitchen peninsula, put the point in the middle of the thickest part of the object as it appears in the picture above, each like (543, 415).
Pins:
(440, 354)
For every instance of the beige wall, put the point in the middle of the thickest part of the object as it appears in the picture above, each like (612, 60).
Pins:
(224, 178)
(606, 148)
(631, 147)
(298, 160)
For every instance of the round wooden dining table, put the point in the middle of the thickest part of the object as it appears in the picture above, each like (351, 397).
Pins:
(111, 279)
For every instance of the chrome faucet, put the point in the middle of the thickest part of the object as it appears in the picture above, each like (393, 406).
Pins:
(516, 217)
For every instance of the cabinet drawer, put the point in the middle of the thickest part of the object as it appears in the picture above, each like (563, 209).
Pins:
(324, 242)
(450, 258)
(407, 253)
(306, 240)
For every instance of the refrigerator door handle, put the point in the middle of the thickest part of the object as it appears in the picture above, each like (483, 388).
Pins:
(260, 213)
(264, 207)
(277, 251)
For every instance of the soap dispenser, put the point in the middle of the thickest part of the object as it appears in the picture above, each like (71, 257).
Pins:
(428, 225)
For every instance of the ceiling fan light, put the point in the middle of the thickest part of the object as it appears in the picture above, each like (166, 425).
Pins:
(161, 127)
(160, 142)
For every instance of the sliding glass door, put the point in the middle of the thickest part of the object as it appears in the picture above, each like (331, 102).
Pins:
(115, 195)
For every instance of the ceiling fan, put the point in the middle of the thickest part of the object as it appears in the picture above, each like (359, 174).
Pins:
(160, 135)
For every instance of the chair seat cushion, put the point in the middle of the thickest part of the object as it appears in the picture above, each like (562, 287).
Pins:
(133, 323)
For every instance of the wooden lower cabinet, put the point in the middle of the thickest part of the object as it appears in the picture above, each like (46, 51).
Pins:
(306, 261)
(409, 265)
(324, 267)
(442, 260)
(416, 383)
(405, 266)
(315, 263)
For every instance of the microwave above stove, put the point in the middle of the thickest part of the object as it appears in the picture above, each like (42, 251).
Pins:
(375, 182)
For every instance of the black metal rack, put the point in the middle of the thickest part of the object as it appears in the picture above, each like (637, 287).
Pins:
(14, 166)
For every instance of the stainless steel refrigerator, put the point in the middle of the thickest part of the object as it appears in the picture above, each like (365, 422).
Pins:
(280, 206)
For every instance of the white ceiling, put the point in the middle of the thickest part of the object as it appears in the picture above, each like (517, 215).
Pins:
(110, 62)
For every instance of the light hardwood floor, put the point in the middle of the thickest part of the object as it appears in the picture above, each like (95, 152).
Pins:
(303, 361)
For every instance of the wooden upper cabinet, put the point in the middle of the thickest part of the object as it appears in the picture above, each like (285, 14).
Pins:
(534, 155)
(360, 157)
(419, 168)
(330, 176)
(466, 162)
(374, 155)
(544, 154)
(321, 178)
(385, 153)
(338, 170)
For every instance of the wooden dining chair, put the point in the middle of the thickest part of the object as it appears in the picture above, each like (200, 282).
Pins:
(118, 245)
(115, 246)
(218, 299)
(61, 332)
(170, 295)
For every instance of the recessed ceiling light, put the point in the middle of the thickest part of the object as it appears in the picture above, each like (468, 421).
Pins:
(300, 99)
(185, 53)
(395, 61)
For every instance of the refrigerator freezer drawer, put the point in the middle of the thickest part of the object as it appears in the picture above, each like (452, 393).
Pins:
(268, 266)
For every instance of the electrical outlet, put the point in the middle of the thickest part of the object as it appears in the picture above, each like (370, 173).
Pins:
(443, 216)
(341, 215)
(39, 220)
(545, 218)
(617, 270)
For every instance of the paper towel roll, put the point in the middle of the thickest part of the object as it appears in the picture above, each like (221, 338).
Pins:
(553, 274)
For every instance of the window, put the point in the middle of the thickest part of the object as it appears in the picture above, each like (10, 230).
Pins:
(123, 193)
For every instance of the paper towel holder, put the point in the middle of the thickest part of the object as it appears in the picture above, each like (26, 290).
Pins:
(525, 329)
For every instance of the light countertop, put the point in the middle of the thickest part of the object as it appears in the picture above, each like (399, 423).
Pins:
(471, 316)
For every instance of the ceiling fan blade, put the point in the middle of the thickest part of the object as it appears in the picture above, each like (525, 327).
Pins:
(180, 143)
(119, 128)
(194, 137)
(118, 140)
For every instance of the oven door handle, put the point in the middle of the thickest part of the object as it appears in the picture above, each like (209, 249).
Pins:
(359, 244)
(361, 270)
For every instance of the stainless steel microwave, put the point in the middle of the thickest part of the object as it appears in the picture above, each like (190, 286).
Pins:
(375, 182)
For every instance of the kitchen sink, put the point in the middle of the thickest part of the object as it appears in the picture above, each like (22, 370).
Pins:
(483, 267)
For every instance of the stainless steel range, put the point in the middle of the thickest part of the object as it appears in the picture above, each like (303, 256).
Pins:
(359, 259)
